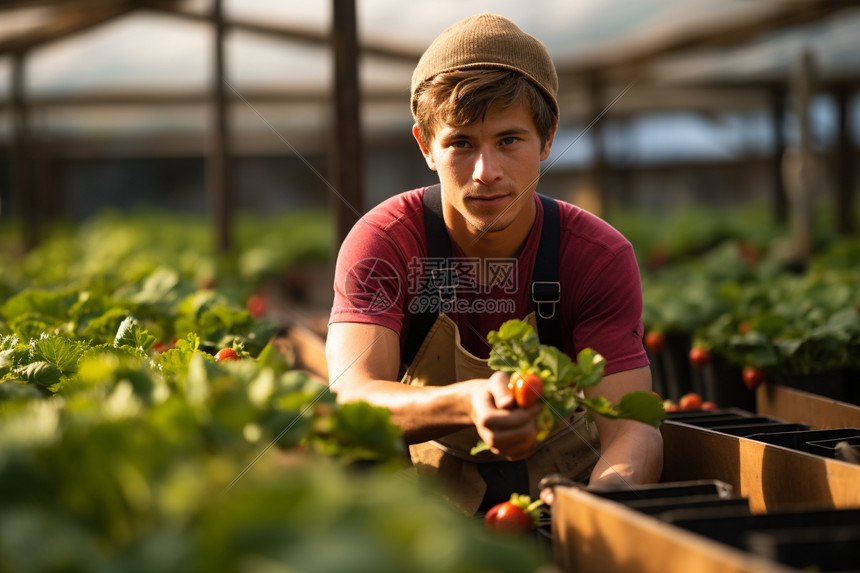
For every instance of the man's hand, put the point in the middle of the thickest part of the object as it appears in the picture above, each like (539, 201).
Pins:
(508, 430)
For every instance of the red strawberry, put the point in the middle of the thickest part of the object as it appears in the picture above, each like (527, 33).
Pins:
(517, 515)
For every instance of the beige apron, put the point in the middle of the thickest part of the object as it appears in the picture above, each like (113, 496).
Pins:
(570, 450)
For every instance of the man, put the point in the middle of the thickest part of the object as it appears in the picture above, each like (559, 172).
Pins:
(423, 277)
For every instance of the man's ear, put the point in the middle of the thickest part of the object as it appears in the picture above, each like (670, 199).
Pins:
(547, 147)
(425, 149)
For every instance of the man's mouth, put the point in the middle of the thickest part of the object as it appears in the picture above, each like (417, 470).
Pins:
(488, 200)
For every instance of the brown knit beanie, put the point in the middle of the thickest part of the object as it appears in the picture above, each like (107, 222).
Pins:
(488, 41)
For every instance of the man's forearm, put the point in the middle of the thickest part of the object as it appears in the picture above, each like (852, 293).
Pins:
(422, 413)
(633, 456)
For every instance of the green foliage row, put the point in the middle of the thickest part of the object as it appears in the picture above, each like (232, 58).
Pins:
(121, 250)
(748, 306)
(125, 446)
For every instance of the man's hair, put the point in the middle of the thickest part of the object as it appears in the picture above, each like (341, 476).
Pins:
(461, 97)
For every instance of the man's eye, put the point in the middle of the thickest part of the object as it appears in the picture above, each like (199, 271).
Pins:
(509, 140)
(459, 144)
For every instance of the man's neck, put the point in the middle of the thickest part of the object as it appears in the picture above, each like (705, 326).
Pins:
(507, 243)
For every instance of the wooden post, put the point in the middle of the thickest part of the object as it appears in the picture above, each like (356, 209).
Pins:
(844, 168)
(219, 168)
(780, 198)
(24, 203)
(800, 166)
(347, 149)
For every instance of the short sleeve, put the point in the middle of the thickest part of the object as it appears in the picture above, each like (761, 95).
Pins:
(374, 268)
(609, 316)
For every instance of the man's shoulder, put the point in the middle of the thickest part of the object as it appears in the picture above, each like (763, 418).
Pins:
(583, 227)
(405, 204)
(393, 231)
(396, 215)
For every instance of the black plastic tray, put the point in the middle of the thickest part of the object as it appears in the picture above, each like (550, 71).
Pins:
(718, 421)
(828, 548)
(656, 499)
(755, 431)
(731, 529)
(669, 490)
(657, 507)
(799, 440)
(828, 447)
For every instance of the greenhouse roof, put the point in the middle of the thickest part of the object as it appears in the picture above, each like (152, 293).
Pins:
(136, 67)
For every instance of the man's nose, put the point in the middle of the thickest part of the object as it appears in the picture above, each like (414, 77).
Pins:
(487, 167)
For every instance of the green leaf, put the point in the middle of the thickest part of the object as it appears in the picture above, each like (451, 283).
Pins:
(274, 358)
(42, 303)
(600, 405)
(61, 352)
(641, 406)
(106, 365)
(356, 431)
(515, 346)
(103, 328)
(558, 363)
(175, 361)
(196, 387)
(131, 334)
(158, 287)
(40, 373)
(28, 326)
(481, 446)
(590, 365)
(514, 330)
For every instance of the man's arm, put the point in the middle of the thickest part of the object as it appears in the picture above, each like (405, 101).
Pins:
(363, 362)
(631, 452)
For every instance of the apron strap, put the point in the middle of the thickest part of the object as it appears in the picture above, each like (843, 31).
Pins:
(438, 249)
(546, 290)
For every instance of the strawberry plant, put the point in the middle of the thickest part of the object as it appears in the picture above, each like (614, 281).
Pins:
(135, 457)
(124, 441)
(516, 349)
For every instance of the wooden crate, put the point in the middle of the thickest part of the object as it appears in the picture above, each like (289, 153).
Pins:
(815, 411)
(595, 535)
(772, 477)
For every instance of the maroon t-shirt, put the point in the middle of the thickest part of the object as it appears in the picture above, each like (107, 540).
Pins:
(382, 263)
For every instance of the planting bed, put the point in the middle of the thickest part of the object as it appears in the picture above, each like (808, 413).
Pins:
(677, 527)
(780, 500)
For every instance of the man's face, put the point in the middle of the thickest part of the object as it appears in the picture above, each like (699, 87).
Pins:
(488, 170)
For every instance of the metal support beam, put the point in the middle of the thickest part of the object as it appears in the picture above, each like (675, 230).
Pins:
(24, 204)
(294, 33)
(844, 170)
(347, 149)
(219, 172)
(801, 169)
(779, 197)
